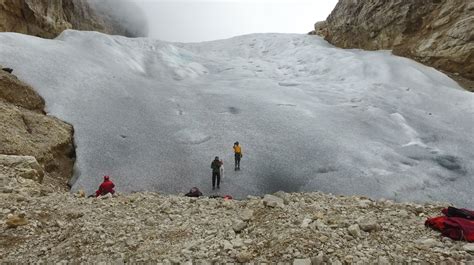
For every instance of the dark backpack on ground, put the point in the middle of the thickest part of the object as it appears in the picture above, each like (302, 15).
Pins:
(462, 213)
(194, 192)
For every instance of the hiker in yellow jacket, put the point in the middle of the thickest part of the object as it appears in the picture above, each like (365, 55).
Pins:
(237, 155)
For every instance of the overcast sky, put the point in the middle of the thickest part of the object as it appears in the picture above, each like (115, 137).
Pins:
(195, 20)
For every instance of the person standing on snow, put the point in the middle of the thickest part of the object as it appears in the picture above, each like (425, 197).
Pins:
(106, 187)
(216, 172)
(237, 155)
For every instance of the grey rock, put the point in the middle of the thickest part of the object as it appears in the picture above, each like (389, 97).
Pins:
(273, 201)
(23, 166)
(426, 243)
(239, 225)
(383, 261)
(364, 203)
(283, 195)
(106, 196)
(368, 225)
(468, 247)
(227, 245)
(244, 257)
(237, 243)
(246, 215)
(318, 260)
(402, 213)
(302, 261)
(354, 230)
(305, 223)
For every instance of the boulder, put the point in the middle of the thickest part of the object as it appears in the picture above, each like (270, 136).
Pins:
(468, 247)
(244, 256)
(426, 243)
(354, 230)
(305, 223)
(238, 226)
(383, 261)
(106, 196)
(237, 243)
(26, 131)
(273, 201)
(368, 225)
(21, 166)
(227, 245)
(320, 28)
(283, 195)
(246, 215)
(318, 260)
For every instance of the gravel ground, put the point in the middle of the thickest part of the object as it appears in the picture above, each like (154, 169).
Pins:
(39, 225)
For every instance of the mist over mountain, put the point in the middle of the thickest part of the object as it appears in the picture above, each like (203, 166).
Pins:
(125, 13)
(47, 19)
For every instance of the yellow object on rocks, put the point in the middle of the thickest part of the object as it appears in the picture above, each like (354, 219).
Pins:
(13, 221)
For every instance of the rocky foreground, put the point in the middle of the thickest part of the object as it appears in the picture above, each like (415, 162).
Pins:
(39, 225)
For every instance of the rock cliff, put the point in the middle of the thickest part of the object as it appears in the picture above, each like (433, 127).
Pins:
(47, 19)
(26, 131)
(439, 33)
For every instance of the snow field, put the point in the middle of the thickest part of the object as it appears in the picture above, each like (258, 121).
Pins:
(309, 116)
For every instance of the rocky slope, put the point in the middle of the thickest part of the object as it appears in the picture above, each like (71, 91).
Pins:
(301, 228)
(439, 33)
(48, 19)
(26, 130)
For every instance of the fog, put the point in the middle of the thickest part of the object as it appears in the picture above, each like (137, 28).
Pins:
(124, 12)
(195, 21)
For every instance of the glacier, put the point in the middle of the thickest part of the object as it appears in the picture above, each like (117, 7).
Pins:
(310, 116)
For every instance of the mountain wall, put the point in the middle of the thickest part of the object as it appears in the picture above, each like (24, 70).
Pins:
(47, 19)
(439, 33)
(26, 131)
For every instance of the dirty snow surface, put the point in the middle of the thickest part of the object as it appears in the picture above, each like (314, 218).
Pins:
(309, 116)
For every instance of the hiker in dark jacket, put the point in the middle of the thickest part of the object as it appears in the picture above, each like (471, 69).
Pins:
(216, 172)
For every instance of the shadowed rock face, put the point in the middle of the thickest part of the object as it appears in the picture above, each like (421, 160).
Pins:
(47, 19)
(26, 131)
(439, 33)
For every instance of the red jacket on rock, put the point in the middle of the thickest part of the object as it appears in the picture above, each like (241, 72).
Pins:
(106, 187)
(457, 224)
